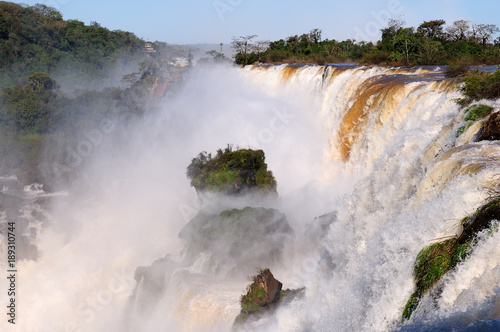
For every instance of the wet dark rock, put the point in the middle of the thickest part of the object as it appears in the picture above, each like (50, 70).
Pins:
(480, 220)
(262, 298)
(264, 290)
(491, 128)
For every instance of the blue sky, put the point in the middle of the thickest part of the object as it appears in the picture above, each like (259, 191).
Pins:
(216, 21)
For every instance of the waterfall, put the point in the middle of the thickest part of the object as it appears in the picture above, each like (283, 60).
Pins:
(377, 146)
(396, 130)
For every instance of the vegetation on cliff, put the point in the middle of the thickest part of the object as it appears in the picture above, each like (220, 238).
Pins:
(431, 264)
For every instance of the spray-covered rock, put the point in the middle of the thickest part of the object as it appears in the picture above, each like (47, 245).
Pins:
(151, 283)
(239, 239)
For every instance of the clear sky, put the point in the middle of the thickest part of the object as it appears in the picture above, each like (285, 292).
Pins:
(216, 21)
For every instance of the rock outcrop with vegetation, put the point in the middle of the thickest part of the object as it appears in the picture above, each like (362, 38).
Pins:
(262, 297)
(264, 291)
(232, 172)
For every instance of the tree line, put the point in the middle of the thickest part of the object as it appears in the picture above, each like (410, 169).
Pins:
(431, 43)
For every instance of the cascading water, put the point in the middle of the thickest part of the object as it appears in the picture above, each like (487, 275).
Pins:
(376, 145)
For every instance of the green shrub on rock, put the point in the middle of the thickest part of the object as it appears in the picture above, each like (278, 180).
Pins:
(472, 114)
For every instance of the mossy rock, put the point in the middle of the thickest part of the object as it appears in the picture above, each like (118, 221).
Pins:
(431, 264)
(437, 259)
(472, 114)
(232, 172)
(286, 297)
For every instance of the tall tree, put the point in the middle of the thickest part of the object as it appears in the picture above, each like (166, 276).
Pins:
(432, 29)
(260, 47)
(315, 35)
(484, 32)
(389, 34)
(459, 30)
(243, 47)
